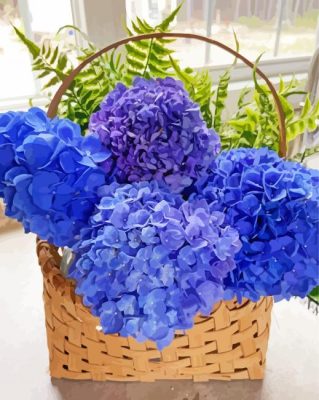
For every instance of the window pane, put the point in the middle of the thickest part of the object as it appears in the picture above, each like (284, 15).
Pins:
(254, 21)
(300, 24)
(43, 18)
(48, 16)
(16, 77)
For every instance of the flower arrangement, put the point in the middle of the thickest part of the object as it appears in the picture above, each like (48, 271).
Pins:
(162, 223)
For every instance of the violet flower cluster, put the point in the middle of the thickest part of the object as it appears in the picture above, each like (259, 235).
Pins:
(151, 261)
(49, 174)
(161, 229)
(274, 204)
(154, 131)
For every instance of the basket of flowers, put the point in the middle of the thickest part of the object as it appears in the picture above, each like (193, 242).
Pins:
(173, 249)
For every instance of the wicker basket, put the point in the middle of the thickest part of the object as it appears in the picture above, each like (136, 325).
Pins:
(230, 344)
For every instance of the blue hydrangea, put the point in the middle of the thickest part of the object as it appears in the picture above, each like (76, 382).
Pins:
(149, 262)
(154, 131)
(48, 174)
(274, 204)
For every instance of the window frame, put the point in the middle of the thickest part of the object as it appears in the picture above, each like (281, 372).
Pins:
(273, 67)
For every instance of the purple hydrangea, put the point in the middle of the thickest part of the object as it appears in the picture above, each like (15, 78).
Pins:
(49, 174)
(274, 204)
(150, 261)
(154, 131)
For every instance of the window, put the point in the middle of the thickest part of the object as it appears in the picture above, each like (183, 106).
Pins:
(39, 19)
(280, 28)
(286, 30)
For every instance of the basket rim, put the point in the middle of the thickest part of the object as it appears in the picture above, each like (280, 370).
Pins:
(49, 260)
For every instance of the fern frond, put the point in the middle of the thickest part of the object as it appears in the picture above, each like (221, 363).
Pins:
(149, 58)
(222, 90)
(165, 24)
(301, 157)
(199, 86)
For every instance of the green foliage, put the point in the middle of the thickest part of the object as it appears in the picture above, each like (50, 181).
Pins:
(148, 58)
(221, 97)
(199, 86)
(314, 294)
(52, 63)
(222, 91)
(154, 58)
(32, 47)
(256, 124)
(301, 157)
(306, 121)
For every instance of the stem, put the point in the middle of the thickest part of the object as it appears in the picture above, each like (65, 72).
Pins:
(303, 156)
(148, 57)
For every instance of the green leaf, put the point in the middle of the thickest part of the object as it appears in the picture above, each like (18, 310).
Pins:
(236, 46)
(312, 124)
(287, 108)
(62, 62)
(135, 63)
(300, 157)
(44, 73)
(32, 47)
(164, 64)
(164, 25)
(281, 85)
(306, 108)
(182, 75)
(222, 90)
(118, 60)
(149, 58)
(52, 82)
(315, 110)
(199, 86)
(142, 44)
(156, 70)
(54, 55)
(133, 50)
(241, 99)
(221, 96)
(259, 88)
(295, 128)
(314, 294)
(137, 29)
(161, 50)
(144, 26)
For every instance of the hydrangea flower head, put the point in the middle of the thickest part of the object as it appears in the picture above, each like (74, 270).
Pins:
(155, 131)
(150, 262)
(49, 177)
(274, 204)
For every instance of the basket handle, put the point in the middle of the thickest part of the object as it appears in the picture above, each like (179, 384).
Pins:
(52, 111)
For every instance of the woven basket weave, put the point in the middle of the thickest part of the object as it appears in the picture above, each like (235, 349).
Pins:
(230, 344)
